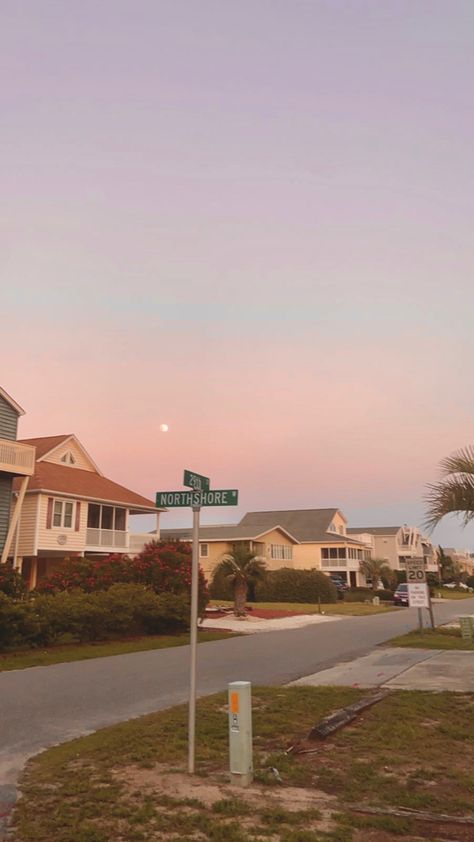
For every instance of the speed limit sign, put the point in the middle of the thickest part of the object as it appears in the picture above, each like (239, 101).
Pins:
(416, 573)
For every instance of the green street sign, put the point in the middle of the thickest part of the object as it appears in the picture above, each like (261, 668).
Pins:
(181, 499)
(196, 481)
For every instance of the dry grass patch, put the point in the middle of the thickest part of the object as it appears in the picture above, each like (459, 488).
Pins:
(127, 783)
(440, 638)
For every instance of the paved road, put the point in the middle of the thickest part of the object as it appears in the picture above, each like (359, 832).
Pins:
(42, 706)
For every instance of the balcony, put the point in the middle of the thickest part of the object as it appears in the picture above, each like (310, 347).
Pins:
(106, 540)
(17, 459)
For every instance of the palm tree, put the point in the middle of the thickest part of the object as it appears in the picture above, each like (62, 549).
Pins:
(374, 569)
(454, 493)
(242, 567)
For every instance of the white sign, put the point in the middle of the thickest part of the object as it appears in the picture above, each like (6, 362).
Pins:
(418, 595)
(416, 572)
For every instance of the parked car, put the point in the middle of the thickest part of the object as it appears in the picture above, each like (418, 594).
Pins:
(454, 585)
(400, 596)
(341, 585)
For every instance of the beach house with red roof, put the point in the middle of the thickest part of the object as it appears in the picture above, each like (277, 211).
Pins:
(71, 509)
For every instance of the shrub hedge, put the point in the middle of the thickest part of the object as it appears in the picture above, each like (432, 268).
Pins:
(288, 585)
(361, 594)
(124, 609)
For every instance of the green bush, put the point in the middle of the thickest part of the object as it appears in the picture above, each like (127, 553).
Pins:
(11, 582)
(19, 625)
(359, 594)
(220, 586)
(122, 610)
(288, 585)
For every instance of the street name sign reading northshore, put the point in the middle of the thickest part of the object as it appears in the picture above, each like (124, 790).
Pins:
(181, 499)
(196, 481)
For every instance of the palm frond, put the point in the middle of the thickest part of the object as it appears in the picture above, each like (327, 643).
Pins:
(460, 462)
(454, 495)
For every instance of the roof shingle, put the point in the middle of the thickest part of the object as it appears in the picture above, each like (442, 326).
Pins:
(61, 479)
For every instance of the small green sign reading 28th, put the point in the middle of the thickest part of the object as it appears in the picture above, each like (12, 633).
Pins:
(181, 499)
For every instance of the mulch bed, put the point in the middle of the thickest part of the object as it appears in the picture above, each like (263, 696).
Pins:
(263, 613)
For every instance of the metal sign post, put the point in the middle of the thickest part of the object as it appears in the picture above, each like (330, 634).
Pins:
(199, 495)
(193, 641)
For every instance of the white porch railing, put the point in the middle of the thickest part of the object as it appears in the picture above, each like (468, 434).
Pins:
(112, 539)
(334, 562)
(16, 458)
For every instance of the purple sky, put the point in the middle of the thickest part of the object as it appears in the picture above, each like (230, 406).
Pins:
(252, 221)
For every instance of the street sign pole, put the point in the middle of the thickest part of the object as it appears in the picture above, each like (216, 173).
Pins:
(198, 495)
(193, 642)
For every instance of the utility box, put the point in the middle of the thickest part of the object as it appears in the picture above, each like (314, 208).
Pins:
(467, 627)
(240, 733)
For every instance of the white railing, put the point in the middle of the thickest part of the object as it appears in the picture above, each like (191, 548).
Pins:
(333, 562)
(16, 458)
(109, 538)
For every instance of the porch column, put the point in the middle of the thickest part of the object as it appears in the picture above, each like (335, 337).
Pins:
(14, 519)
(158, 526)
(18, 564)
(33, 574)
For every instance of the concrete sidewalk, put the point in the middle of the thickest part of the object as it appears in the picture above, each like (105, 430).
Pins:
(255, 625)
(401, 669)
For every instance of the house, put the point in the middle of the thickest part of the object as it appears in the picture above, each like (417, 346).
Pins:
(299, 538)
(464, 558)
(70, 508)
(17, 462)
(395, 544)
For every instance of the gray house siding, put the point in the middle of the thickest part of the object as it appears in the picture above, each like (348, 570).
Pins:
(8, 421)
(5, 503)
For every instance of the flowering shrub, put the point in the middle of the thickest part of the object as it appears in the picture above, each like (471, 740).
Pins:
(11, 581)
(162, 567)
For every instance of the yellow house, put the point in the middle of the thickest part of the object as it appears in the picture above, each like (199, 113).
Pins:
(300, 538)
(71, 509)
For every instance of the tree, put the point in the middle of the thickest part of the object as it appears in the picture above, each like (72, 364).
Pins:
(374, 569)
(450, 569)
(454, 493)
(241, 567)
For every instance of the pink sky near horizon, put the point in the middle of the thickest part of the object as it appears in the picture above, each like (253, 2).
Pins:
(252, 223)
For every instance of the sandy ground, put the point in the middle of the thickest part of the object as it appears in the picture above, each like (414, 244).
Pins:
(251, 625)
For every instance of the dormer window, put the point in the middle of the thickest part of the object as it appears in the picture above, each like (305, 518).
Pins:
(332, 527)
(68, 458)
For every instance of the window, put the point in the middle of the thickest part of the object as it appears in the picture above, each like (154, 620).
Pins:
(68, 458)
(106, 517)
(332, 527)
(204, 550)
(63, 514)
(333, 552)
(281, 552)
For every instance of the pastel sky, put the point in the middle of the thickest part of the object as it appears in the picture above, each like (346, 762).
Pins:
(251, 221)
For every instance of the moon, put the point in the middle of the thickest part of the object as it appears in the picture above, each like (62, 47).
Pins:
(164, 428)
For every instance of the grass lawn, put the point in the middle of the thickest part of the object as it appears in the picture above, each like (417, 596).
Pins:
(349, 609)
(84, 651)
(440, 638)
(448, 593)
(127, 783)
